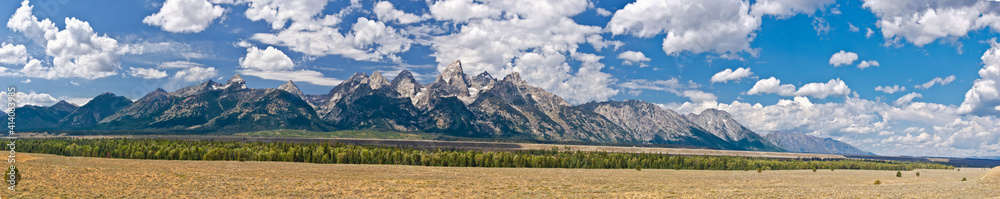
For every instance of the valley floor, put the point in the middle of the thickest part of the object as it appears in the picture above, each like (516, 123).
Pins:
(78, 177)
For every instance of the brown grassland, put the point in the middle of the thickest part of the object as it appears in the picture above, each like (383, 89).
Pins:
(47, 176)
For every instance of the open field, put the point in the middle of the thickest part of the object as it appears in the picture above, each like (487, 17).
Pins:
(74, 177)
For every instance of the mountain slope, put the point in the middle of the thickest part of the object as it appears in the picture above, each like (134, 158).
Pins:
(37, 117)
(802, 143)
(651, 124)
(94, 111)
(721, 124)
(230, 107)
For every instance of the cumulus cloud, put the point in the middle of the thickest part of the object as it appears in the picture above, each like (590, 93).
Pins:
(272, 64)
(633, 57)
(843, 58)
(146, 73)
(385, 11)
(533, 38)
(698, 96)
(869, 33)
(279, 12)
(603, 12)
(196, 74)
(38, 99)
(936, 80)
(720, 26)
(269, 59)
(730, 74)
(870, 125)
(367, 40)
(787, 8)
(462, 10)
(906, 99)
(853, 28)
(923, 21)
(185, 16)
(835, 87)
(890, 90)
(984, 96)
(76, 51)
(13, 54)
(867, 63)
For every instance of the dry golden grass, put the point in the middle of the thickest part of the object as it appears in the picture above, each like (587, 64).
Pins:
(78, 177)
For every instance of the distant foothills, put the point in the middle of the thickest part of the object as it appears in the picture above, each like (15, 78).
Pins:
(455, 104)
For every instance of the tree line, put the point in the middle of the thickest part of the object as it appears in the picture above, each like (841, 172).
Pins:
(338, 153)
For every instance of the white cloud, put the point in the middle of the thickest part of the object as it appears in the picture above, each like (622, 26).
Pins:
(26, 81)
(890, 90)
(603, 12)
(720, 26)
(787, 8)
(672, 85)
(146, 73)
(843, 58)
(984, 96)
(196, 74)
(923, 21)
(835, 87)
(272, 64)
(77, 51)
(853, 28)
(279, 12)
(870, 125)
(308, 76)
(385, 11)
(368, 40)
(869, 33)
(185, 16)
(269, 59)
(697, 96)
(461, 10)
(633, 57)
(38, 99)
(13, 54)
(906, 99)
(178, 64)
(936, 80)
(867, 63)
(730, 74)
(533, 38)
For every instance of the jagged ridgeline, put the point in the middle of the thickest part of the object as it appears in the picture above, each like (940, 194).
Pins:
(453, 104)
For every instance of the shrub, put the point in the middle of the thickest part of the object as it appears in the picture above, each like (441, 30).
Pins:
(831, 169)
(963, 179)
(17, 175)
(877, 182)
(899, 174)
(814, 169)
(918, 174)
(759, 170)
(638, 168)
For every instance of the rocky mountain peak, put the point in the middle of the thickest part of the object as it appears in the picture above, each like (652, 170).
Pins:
(290, 87)
(376, 81)
(62, 105)
(236, 82)
(721, 124)
(514, 77)
(358, 77)
(405, 85)
(803, 143)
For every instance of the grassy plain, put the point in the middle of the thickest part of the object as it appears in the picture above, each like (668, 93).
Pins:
(80, 177)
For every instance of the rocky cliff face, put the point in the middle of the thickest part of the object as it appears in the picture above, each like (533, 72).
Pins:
(405, 85)
(722, 125)
(802, 143)
(649, 123)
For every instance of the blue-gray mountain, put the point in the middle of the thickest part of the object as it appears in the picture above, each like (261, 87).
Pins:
(800, 142)
(453, 104)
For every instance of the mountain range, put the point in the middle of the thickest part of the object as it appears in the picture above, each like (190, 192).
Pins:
(454, 104)
(802, 143)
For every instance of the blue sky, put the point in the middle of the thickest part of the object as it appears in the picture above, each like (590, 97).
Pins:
(660, 51)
